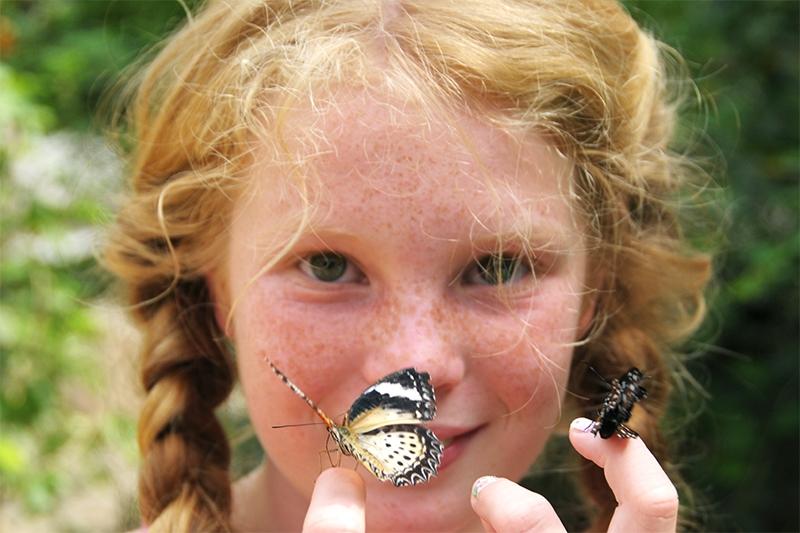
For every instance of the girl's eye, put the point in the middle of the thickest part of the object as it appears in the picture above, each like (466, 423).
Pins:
(498, 269)
(330, 267)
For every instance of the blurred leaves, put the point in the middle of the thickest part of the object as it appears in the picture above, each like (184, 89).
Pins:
(744, 56)
(46, 329)
(69, 53)
(57, 181)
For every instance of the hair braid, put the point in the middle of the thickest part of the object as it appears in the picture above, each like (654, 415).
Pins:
(186, 371)
(184, 482)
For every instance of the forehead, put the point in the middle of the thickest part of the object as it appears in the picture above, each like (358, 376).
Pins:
(356, 148)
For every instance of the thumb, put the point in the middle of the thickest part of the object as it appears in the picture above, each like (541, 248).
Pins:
(337, 504)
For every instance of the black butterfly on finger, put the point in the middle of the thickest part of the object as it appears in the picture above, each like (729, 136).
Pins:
(383, 428)
(618, 404)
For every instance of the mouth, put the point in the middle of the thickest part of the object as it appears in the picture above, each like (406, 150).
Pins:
(455, 441)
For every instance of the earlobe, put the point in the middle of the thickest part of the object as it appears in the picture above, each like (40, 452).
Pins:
(218, 293)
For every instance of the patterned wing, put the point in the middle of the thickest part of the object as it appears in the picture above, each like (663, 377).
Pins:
(403, 454)
(404, 397)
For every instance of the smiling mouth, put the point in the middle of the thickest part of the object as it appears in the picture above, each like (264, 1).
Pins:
(455, 445)
(448, 442)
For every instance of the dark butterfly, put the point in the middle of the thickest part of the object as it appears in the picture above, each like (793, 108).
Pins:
(618, 404)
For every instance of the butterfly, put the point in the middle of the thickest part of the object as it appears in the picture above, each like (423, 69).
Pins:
(383, 428)
(618, 404)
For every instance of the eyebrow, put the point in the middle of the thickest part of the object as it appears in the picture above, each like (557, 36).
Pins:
(528, 238)
(541, 237)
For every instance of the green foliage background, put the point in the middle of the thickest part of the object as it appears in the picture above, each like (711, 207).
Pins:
(57, 59)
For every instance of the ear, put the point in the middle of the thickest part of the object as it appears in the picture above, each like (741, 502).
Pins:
(217, 283)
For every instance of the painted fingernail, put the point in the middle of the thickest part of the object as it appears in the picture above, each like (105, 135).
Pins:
(582, 424)
(481, 484)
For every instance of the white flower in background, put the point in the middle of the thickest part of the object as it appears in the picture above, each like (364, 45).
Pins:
(59, 168)
(58, 171)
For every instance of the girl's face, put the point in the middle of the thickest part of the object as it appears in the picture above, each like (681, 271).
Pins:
(411, 257)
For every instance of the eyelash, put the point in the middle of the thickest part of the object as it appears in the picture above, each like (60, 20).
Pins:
(486, 271)
(312, 264)
(491, 268)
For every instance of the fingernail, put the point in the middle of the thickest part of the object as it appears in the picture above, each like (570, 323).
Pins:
(482, 483)
(582, 424)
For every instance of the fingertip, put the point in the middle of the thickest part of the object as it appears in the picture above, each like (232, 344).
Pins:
(341, 484)
(337, 503)
(581, 436)
(481, 483)
(341, 476)
(503, 505)
(592, 446)
(581, 425)
(481, 497)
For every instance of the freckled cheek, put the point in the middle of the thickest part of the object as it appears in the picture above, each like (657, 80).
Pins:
(316, 350)
(313, 355)
(271, 403)
(524, 356)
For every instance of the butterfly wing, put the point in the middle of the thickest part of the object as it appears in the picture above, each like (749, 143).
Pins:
(404, 397)
(403, 454)
(385, 430)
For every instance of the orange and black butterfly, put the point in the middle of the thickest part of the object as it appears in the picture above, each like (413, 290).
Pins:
(383, 428)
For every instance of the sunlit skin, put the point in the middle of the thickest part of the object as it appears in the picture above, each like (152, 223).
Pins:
(409, 204)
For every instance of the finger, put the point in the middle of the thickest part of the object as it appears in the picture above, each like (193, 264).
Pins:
(648, 501)
(502, 505)
(337, 503)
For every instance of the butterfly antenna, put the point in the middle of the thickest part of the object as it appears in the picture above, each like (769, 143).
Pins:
(325, 418)
(298, 425)
(596, 373)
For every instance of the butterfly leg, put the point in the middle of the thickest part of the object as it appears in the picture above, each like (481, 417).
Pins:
(327, 450)
(625, 432)
(329, 461)
(338, 457)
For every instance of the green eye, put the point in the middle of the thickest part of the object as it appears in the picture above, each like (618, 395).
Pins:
(325, 266)
(498, 270)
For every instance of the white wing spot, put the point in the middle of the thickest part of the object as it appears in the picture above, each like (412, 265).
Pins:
(396, 389)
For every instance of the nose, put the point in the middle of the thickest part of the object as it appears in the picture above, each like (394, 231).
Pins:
(420, 331)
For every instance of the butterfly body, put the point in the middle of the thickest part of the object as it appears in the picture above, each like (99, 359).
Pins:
(618, 405)
(383, 428)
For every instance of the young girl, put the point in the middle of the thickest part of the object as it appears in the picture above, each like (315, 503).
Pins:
(480, 190)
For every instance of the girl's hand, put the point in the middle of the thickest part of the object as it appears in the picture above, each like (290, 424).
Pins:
(338, 503)
(647, 499)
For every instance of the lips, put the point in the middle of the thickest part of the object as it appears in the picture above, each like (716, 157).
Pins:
(455, 441)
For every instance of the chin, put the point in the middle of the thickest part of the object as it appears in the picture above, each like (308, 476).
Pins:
(393, 517)
(443, 504)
